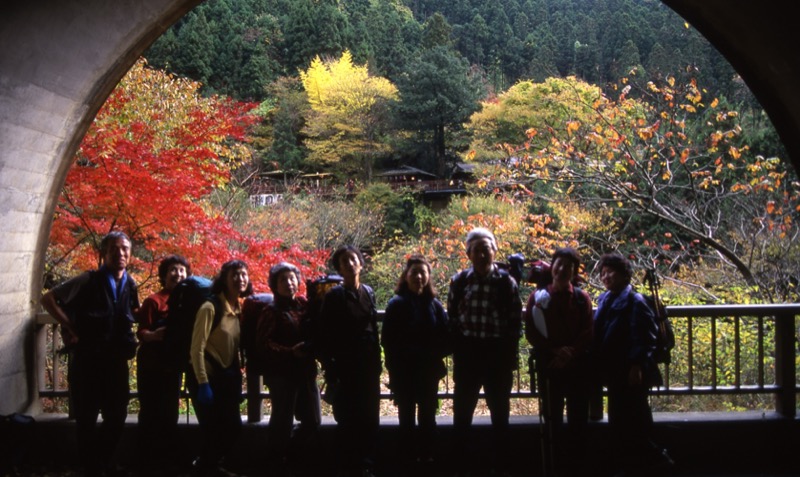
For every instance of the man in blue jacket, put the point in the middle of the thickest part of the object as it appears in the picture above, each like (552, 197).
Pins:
(95, 311)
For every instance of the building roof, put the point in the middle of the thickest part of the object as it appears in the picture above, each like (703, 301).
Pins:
(407, 171)
(464, 168)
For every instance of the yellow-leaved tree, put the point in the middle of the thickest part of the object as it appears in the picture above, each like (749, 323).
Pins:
(348, 121)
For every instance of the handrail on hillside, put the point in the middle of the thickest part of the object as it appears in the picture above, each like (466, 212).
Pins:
(759, 340)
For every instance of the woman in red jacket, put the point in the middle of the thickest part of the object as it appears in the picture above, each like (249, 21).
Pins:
(289, 370)
(558, 323)
(158, 380)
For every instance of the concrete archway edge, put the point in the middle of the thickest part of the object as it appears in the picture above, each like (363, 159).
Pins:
(59, 60)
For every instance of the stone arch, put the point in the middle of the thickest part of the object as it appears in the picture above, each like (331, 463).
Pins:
(59, 60)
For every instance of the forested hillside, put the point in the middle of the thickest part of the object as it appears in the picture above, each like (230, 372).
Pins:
(238, 47)
(444, 57)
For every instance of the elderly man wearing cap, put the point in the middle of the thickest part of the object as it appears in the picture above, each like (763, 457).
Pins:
(485, 310)
(289, 370)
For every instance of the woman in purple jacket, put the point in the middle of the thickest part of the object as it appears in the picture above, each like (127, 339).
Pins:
(624, 341)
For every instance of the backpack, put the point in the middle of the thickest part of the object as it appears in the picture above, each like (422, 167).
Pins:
(516, 266)
(252, 308)
(185, 299)
(316, 289)
(665, 335)
(540, 274)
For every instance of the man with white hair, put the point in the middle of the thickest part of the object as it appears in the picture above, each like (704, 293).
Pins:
(485, 313)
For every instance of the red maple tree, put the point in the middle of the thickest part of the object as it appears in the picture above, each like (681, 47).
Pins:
(155, 151)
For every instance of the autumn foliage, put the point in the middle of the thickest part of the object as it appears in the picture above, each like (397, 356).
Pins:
(349, 112)
(155, 151)
(668, 165)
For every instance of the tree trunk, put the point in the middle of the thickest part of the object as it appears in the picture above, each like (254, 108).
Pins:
(438, 139)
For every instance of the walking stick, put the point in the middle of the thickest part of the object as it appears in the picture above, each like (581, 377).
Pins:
(545, 424)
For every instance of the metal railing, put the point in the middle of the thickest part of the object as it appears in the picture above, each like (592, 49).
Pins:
(720, 350)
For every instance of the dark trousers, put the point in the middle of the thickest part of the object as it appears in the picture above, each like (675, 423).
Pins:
(559, 389)
(99, 386)
(159, 388)
(417, 402)
(292, 396)
(221, 421)
(357, 413)
(631, 421)
(487, 364)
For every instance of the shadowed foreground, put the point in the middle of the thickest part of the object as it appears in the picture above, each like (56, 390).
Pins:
(714, 444)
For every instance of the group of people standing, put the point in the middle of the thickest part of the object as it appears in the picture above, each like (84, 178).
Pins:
(480, 326)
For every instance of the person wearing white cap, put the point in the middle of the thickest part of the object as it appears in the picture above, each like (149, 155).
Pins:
(485, 316)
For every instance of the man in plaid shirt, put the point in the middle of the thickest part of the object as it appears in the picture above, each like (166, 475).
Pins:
(485, 313)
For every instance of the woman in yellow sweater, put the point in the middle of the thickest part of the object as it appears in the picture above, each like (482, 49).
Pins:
(216, 384)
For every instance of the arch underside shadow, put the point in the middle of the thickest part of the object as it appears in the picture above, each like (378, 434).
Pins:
(59, 60)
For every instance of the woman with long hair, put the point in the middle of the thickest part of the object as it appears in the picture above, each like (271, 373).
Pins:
(215, 382)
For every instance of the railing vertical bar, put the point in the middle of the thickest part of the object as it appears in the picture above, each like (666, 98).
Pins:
(56, 364)
(714, 364)
(785, 337)
(690, 352)
(761, 360)
(737, 352)
(254, 400)
(41, 357)
(449, 362)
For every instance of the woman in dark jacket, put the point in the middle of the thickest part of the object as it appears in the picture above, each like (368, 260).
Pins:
(558, 323)
(350, 352)
(288, 368)
(624, 341)
(414, 340)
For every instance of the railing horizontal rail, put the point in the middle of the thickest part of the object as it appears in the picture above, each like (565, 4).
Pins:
(722, 350)
(685, 311)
